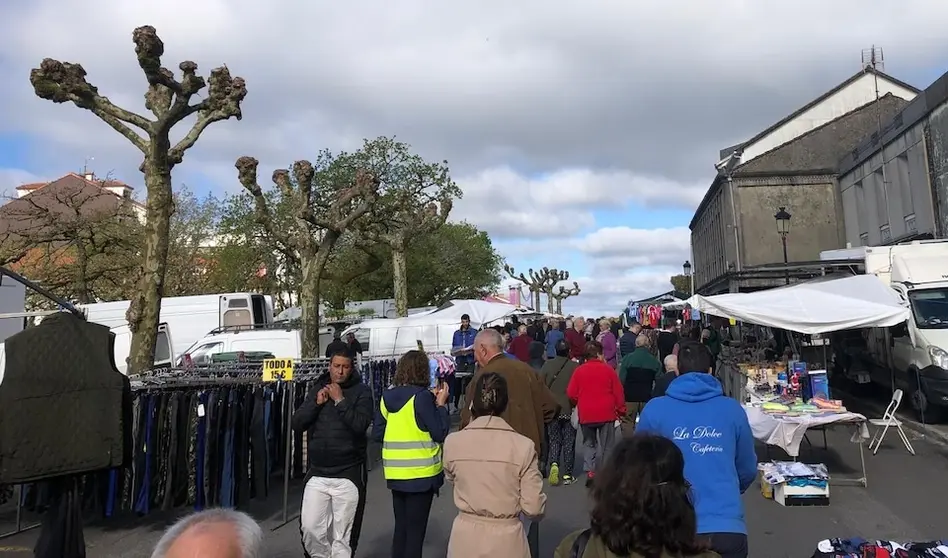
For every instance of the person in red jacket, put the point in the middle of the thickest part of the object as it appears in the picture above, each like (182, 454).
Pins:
(576, 337)
(597, 394)
(520, 345)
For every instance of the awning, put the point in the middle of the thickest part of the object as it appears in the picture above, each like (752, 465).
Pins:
(819, 306)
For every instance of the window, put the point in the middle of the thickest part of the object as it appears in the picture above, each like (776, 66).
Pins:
(864, 239)
(885, 233)
(882, 197)
(910, 225)
(860, 204)
(202, 355)
(162, 347)
(903, 182)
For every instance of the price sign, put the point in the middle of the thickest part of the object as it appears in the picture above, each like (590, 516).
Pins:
(277, 369)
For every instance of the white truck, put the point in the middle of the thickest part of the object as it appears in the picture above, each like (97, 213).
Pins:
(190, 318)
(912, 356)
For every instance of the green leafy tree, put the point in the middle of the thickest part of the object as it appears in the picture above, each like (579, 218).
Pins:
(193, 239)
(320, 203)
(169, 99)
(454, 261)
(416, 198)
(681, 283)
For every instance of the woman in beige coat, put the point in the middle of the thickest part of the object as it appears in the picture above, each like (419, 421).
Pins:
(496, 479)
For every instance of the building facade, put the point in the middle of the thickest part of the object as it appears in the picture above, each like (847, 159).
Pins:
(792, 164)
(894, 184)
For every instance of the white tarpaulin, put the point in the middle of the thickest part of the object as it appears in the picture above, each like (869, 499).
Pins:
(818, 306)
(435, 329)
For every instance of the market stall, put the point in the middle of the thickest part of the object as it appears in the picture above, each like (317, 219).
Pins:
(787, 397)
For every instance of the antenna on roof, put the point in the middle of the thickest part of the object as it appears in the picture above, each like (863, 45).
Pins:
(86, 173)
(873, 58)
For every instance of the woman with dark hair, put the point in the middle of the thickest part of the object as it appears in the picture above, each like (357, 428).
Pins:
(596, 392)
(412, 423)
(496, 479)
(641, 506)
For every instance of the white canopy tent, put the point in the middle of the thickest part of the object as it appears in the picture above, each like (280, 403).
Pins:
(820, 306)
(435, 330)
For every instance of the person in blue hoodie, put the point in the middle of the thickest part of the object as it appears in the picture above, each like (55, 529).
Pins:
(412, 422)
(714, 435)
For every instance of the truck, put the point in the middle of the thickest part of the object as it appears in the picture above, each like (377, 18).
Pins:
(191, 317)
(282, 339)
(912, 356)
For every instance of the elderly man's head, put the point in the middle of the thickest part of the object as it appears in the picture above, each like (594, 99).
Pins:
(217, 533)
(671, 364)
(642, 341)
(487, 344)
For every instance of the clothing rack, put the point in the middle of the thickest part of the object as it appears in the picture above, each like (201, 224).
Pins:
(64, 305)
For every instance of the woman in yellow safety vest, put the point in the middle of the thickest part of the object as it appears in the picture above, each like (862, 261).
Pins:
(412, 423)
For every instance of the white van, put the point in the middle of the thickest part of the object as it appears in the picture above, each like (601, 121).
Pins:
(280, 340)
(122, 347)
(192, 317)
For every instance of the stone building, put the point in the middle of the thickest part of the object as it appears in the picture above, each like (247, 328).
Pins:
(792, 164)
(894, 184)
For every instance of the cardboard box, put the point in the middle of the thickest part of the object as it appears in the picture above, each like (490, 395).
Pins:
(788, 495)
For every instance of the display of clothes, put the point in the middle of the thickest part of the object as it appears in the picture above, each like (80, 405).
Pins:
(649, 315)
(862, 548)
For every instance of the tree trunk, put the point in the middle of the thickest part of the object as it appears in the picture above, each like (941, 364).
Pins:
(309, 304)
(559, 306)
(146, 306)
(536, 300)
(83, 295)
(550, 303)
(400, 278)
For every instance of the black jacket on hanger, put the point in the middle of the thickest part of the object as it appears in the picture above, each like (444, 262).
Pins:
(64, 408)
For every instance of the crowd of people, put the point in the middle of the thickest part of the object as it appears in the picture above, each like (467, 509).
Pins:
(666, 454)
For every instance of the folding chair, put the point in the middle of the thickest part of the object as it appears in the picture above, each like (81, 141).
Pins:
(887, 421)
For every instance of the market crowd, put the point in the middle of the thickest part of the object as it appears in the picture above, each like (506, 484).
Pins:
(666, 454)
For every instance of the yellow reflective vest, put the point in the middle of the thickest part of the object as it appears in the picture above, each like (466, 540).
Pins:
(408, 452)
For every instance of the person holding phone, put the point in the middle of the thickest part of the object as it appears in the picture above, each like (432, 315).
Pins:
(412, 423)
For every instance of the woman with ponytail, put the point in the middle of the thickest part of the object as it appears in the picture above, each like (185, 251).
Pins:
(496, 479)
(641, 506)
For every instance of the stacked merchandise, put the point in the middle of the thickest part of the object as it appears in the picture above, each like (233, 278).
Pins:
(790, 390)
(861, 548)
(790, 483)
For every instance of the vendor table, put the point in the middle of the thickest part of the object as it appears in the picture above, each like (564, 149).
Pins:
(787, 433)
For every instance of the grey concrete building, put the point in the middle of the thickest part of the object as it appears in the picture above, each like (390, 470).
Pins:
(894, 184)
(734, 239)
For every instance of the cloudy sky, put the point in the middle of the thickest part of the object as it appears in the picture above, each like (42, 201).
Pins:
(582, 133)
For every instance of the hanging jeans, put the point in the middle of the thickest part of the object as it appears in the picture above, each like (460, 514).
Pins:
(411, 522)
(598, 439)
(227, 471)
(329, 508)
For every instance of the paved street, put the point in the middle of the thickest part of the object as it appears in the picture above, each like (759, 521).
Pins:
(903, 501)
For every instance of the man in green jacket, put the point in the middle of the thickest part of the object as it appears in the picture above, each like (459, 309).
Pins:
(637, 373)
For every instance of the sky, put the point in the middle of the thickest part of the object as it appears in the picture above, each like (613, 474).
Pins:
(583, 134)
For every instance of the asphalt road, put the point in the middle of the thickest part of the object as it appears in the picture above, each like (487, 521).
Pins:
(902, 502)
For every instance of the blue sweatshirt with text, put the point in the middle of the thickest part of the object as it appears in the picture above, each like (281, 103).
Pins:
(713, 433)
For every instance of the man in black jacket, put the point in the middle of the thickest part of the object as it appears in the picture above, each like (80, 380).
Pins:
(337, 413)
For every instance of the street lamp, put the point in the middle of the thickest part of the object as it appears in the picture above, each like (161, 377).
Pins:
(783, 229)
(686, 268)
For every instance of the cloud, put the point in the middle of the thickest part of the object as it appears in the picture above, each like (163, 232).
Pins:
(616, 249)
(510, 204)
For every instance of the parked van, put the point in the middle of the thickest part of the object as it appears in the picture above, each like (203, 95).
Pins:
(283, 340)
(122, 347)
(192, 317)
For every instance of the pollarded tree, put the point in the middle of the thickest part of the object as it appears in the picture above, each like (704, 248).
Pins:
(326, 201)
(416, 198)
(169, 99)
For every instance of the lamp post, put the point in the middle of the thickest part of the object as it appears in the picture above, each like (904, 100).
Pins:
(783, 229)
(686, 268)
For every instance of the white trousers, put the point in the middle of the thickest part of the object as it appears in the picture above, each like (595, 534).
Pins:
(329, 507)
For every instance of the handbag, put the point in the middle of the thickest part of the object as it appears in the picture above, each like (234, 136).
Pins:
(574, 417)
